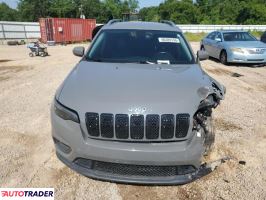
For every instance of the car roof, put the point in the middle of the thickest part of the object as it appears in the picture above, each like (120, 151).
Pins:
(230, 31)
(140, 25)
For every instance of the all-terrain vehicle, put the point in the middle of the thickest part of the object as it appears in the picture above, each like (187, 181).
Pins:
(37, 49)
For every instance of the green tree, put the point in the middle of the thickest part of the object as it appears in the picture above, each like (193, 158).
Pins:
(252, 13)
(181, 12)
(149, 14)
(133, 5)
(7, 13)
(116, 8)
(33, 10)
(63, 8)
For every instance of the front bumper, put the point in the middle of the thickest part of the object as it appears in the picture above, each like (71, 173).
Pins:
(182, 153)
(246, 58)
(147, 180)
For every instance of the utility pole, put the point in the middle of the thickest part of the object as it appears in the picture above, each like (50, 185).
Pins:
(82, 16)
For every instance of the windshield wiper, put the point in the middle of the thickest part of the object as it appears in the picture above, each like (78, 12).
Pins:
(94, 60)
(146, 62)
(141, 62)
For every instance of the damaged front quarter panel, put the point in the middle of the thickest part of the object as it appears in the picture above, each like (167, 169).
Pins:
(211, 95)
(214, 88)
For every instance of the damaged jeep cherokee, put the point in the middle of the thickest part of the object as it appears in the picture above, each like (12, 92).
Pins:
(137, 108)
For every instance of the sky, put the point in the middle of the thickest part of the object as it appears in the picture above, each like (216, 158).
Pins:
(142, 3)
(146, 3)
(11, 3)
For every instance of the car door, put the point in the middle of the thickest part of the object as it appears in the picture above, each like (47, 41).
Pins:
(217, 45)
(209, 42)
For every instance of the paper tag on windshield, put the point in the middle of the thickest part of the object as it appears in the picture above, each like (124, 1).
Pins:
(169, 40)
(166, 62)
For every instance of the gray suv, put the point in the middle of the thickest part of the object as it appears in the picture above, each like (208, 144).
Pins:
(137, 108)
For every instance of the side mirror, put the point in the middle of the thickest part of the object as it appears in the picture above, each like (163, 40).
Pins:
(79, 51)
(218, 39)
(202, 55)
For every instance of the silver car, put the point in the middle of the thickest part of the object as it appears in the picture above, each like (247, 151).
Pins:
(137, 108)
(234, 47)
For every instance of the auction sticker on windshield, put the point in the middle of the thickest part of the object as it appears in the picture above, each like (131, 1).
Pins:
(169, 40)
(26, 193)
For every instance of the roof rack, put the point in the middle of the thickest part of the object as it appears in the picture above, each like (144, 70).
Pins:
(114, 21)
(168, 22)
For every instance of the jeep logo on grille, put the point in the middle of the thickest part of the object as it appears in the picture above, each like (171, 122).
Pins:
(137, 110)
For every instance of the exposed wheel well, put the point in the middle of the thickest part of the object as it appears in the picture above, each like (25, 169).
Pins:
(223, 50)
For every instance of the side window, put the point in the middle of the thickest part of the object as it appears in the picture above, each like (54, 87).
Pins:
(211, 36)
(218, 35)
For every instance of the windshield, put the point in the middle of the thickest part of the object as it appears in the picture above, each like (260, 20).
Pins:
(238, 36)
(140, 46)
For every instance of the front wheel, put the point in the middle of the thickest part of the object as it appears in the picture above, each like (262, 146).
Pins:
(223, 57)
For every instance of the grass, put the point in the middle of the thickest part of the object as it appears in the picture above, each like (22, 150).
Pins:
(197, 37)
(257, 34)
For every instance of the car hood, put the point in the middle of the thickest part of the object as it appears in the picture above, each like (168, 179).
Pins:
(246, 44)
(134, 88)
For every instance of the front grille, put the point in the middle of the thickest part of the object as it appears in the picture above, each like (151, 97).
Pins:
(92, 123)
(255, 60)
(135, 170)
(107, 125)
(139, 128)
(127, 170)
(122, 126)
(182, 125)
(152, 126)
(168, 126)
(257, 51)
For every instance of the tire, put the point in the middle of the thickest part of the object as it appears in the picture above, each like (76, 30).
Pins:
(31, 54)
(223, 57)
(12, 43)
(209, 136)
(42, 54)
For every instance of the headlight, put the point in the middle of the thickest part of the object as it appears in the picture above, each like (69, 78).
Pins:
(237, 50)
(65, 113)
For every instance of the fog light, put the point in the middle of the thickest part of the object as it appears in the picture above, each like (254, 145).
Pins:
(63, 147)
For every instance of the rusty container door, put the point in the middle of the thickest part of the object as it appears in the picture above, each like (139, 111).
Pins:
(47, 29)
(73, 30)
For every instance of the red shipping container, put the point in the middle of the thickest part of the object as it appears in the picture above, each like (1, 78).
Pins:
(65, 30)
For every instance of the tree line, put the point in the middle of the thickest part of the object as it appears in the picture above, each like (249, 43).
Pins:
(101, 10)
(208, 12)
(179, 11)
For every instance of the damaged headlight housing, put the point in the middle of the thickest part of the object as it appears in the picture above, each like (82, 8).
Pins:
(65, 113)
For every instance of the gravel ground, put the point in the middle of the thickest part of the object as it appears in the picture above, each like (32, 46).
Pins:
(27, 156)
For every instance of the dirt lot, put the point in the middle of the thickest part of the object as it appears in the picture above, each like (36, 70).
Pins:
(27, 157)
